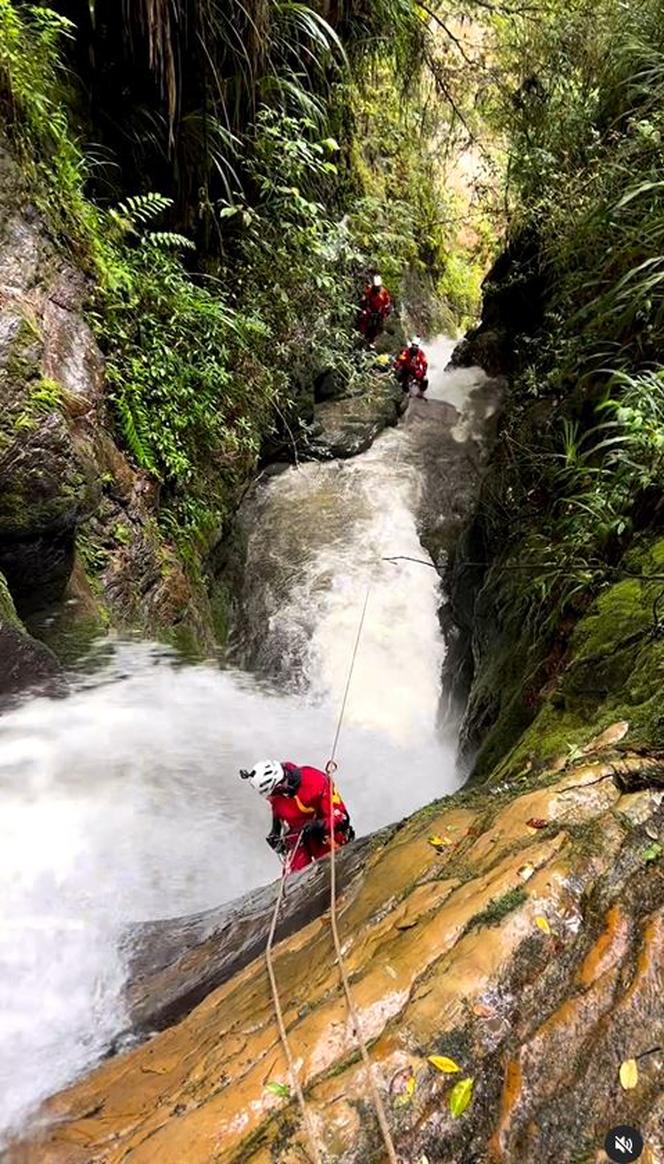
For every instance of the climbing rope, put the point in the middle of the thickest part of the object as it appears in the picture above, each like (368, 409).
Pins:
(349, 677)
(331, 768)
(295, 1082)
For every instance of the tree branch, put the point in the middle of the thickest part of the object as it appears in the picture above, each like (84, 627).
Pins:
(448, 32)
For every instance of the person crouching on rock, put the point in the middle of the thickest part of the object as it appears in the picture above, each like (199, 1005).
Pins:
(411, 366)
(303, 802)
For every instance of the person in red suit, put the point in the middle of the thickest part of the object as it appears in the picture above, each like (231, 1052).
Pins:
(304, 801)
(375, 306)
(412, 365)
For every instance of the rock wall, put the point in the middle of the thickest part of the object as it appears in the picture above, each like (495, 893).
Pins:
(77, 521)
(513, 301)
(26, 663)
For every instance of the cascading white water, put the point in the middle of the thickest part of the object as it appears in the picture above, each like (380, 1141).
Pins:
(122, 802)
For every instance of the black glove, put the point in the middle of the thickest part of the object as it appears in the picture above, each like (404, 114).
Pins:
(276, 842)
(315, 830)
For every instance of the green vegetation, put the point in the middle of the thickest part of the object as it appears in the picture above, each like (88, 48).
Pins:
(575, 494)
(288, 166)
(240, 193)
(581, 467)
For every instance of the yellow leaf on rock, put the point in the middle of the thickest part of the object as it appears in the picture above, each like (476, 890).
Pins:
(629, 1074)
(439, 842)
(460, 1097)
(543, 924)
(442, 1063)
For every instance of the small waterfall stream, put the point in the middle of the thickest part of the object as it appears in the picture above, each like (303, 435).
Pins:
(122, 802)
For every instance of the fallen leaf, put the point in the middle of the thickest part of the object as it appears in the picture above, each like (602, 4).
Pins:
(280, 1089)
(460, 1097)
(483, 1011)
(537, 822)
(652, 853)
(405, 924)
(442, 1063)
(652, 832)
(543, 924)
(628, 1074)
(526, 872)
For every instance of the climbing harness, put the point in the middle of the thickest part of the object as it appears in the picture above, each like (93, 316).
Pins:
(330, 769)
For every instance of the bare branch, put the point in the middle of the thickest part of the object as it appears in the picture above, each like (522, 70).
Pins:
(448, 32)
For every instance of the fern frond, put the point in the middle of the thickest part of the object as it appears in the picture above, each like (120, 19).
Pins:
(142, 208)
(167, 240)
(133, 419)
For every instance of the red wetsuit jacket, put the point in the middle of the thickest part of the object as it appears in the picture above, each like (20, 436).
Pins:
(313, 800)
(415, 364)
(376, 299)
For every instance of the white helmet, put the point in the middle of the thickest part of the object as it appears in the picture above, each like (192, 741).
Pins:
(377, 281)
(415, 342)
(265, 776)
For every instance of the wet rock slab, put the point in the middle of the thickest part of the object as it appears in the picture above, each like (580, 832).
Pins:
(177, 962)
(347, 427)
(518, 931)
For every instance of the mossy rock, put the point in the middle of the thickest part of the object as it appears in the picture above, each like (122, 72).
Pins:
(614, 671)
(8, 615)
(26, 663)
(350, 426)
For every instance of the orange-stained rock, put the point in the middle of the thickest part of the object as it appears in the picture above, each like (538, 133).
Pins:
(446, 956)
(609, 947)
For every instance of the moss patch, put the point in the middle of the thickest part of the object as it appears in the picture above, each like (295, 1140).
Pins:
(8, 615)
(497, 909)
(614, 670)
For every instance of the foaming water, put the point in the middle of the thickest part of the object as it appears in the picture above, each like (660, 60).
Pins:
(122, 802)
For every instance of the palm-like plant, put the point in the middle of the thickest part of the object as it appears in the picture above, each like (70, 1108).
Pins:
(175, 85)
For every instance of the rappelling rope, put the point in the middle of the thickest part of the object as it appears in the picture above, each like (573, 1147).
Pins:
(295, 1082)
(330, 768)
